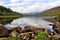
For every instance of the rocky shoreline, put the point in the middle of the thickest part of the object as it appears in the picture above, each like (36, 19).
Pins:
(19, 32)
(30, 32)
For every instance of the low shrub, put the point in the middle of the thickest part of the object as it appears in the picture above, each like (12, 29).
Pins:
(42, 36)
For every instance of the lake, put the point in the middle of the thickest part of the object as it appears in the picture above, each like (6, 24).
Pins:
(5, 21)
(38, 22)
(33, 21)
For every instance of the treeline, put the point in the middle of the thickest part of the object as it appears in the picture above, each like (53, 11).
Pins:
(8, 12)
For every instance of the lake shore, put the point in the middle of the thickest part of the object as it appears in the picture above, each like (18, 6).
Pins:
(28, 30)
(24, 30)
(14, 16)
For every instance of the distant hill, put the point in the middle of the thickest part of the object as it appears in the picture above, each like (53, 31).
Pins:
(8, 12)
(50, 12)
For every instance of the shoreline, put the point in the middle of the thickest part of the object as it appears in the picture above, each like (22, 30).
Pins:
(13, 16)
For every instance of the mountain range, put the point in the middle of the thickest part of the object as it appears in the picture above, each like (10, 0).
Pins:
(50, 12)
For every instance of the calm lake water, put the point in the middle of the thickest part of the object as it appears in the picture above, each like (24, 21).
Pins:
(38, 22)
(5, 21)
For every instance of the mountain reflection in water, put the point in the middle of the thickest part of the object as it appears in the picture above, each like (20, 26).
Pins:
(31, 21)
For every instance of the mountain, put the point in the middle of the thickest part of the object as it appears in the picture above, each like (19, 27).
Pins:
(50, 12)
(8, 12)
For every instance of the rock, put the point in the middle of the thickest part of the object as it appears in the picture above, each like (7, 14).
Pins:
(56, 27)
(13, 34)
(6, 32)
(17, 29)
(56, 36)
(35, 30)
(3, 31)
(24, 36)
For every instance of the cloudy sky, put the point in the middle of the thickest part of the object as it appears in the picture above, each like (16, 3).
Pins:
(29, 6)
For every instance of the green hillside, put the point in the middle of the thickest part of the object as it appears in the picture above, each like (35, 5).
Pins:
(6, 12)
(50, 12)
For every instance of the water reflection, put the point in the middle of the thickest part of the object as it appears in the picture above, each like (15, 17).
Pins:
(30, 21)
(5, 21)
(33, 21)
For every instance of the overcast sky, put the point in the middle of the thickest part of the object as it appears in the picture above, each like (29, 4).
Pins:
(28, 6)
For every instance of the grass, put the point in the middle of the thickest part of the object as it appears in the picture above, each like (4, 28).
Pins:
(6, 17)
(42, 36)
(13, 38)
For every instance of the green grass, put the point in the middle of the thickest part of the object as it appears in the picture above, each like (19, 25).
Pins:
(41, 36)
(13, 38)
(15, 16)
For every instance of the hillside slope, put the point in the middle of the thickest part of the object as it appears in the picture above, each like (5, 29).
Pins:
(50, 12)
(8, 12)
